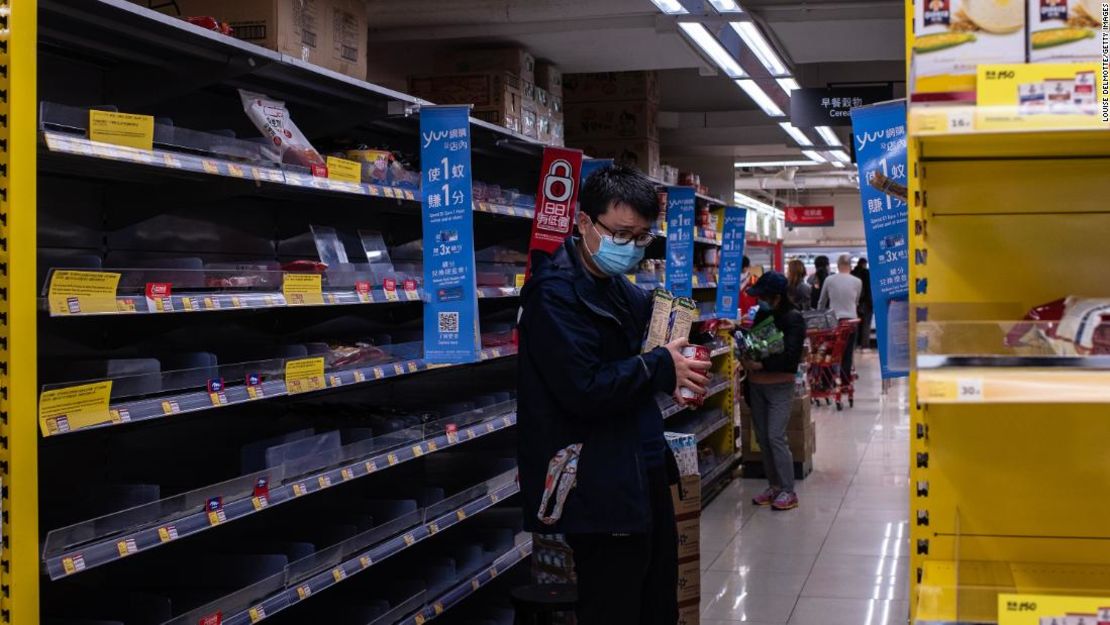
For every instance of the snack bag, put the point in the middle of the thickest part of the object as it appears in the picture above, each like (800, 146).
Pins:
(274, 121)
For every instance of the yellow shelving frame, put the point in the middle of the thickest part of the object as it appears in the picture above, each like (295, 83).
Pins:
(19, 560)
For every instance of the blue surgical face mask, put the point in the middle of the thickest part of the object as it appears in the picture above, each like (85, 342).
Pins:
(614, 259)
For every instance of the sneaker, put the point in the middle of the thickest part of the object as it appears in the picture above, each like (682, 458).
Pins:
(785, 501)
(766, 497)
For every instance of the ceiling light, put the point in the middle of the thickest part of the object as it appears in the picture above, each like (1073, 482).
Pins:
(828, 135)
(670, 7)
(841, 156)
(810, 154)
(751, 202)
(713, 48)
(763, 51)
(838, 164)
(788, 84)
(755, 92)
(726, 6)
(796, 134)
(795, 163)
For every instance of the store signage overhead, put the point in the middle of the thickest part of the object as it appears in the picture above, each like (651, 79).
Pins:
(810, 216)
(832, 106)
(732, 253)
(451, 310)
(680, 241)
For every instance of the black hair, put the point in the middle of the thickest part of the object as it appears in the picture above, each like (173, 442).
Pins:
(821, 262)
(747, 262)
(861, 263)
(619, 183)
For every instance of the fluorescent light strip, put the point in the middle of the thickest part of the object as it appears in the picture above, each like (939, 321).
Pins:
(810, 154)
(713, 48)
(750, 202)
(670, 7)
(788, 84)
(796, 163)
(838, 164)
(841, 156)
(763, 51)
(726, 6)
(828, 135)
(796, 134)
(756, 93)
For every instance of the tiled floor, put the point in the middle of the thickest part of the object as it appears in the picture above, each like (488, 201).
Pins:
(838, 559)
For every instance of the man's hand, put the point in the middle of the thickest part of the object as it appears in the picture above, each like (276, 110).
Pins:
(688, 372)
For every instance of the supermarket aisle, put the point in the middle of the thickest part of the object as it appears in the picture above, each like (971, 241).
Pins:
(839, 559)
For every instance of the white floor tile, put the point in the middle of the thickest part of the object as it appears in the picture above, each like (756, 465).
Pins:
(822, 611)
(745, 606)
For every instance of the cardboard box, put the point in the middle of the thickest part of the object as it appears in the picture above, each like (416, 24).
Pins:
(689, 538)
(550, 78)
(558, 129)
(328, 33)
(689, 613)
(803, 444)
(499, 116)
(801, 414)
(689, 504)
(483, 90)
(689, 580)
(515, 60)
(1064, 30)
(611, 86)
(529, 125)
(642, 154)
(595, 121)
(953, 37)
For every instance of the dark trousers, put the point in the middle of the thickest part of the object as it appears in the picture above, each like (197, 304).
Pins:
(631, 579)
(864, 334)
(846, 362)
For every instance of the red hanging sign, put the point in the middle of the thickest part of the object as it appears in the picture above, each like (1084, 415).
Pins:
(810, 216)
(556, 199)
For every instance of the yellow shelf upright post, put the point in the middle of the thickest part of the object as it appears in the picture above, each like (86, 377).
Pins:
(19, 559)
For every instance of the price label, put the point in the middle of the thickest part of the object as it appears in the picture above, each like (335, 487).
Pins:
(433, 527)
(364, 292)
(304, 591)
(304, 375)
(365, 562)
(82, 292)
(438, 608)
(303, 289)
(73, 564)
(961, 119)
(210, 167)
(257, 613)
(969, 389)
(432, 446)
(338, 574)
(344, 170)
(389, 286)
(398, 369)
(359, 376)
(167, 533)
(74, 407)
(1022, 609)
(126, 547)
(420, 619)
(216, 517)
(236, 171)
(126, 129)
(371, 466)
(409, 539)
(324, 481)
(299, 489)
(410, 290)
(347, 474)
(417, 451)
(392, 459)
(412, 367)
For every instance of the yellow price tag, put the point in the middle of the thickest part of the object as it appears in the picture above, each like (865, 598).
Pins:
(74, 407)
(344, 170)
(304, 592)
(438, 607)
(392, 458)
(338, 574)
(257, 613)
(371, 466)
(236, 171)
(324, 481)
(461, 514)
(126, 547)
(168, 533)
(304, 375)
(417, 451)
(127, 129)
(82, 292)
(73, 564)
(259, 503)
(299, 489)
(347, 474)
(936, 390)
(519, 281)
(303, 289)
(419, 619)
(1021, 609)
(410, 540)
(365, 562)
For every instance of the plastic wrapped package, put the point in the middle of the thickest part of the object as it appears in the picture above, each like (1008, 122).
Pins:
(274, 121)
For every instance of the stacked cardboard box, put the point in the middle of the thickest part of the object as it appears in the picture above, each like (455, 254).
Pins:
(613, 115)
(687, 508)
(550, 122)
(800, 432)
(328, 33)
(497, 96)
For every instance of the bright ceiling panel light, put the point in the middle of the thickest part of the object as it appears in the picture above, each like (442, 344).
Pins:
(670, 7)
(828, 135)
(784, 163)
(763, 51)
(750, 202)
(756, 93)
(838, 164)
(788, 84)
(814, 156)
(726, 6)
(713, 48)
(796, 134)
(841, 156)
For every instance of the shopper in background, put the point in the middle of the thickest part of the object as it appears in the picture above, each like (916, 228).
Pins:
(817, 280)
(841, 293)
(866, 307)
(771, 382)
(747, 278)
(593, 462)
(796, 288)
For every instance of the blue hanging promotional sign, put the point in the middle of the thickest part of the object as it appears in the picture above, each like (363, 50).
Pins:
(590, 165)
(451, 306)
(879, 132)
(680, 241)
(732, 255)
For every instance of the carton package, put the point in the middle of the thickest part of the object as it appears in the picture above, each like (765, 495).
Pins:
(558, 130)
(689, 538)
(612, 120)
(689, 580)
(687, 500)
(954, 37)
(483, 90)
(529, 123)
(611, 86)
(1064, 30)
(496, 115)
(515, 60)
(689, 613)
(549, 78)
(659, 323)
(328, 33)
(642, 154)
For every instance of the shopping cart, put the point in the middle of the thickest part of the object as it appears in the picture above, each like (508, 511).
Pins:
(826, 351)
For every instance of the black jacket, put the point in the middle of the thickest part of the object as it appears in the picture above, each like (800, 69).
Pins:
(793, 327)
(581, 379)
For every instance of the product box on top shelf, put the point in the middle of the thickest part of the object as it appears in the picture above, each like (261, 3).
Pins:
(640, 153)
(549, 78)
(488, 89)
(953, 37)
(515, 60)
(612, 120)
(1064, 30)
(328, 33)
(611, 86)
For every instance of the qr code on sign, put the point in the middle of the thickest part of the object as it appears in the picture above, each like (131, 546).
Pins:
(448, 322)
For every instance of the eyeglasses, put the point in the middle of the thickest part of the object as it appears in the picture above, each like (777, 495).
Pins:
(624, 237)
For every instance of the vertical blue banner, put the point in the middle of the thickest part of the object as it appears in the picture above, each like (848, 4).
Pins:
(590, 165)
(733, 235)
(451, 306)
(880, 135)
(680, 241)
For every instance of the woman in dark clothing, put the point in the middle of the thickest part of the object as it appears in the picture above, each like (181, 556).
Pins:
(865, 307)
(772, 390)
(817, 280)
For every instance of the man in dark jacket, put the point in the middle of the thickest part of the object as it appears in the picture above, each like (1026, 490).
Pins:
(592, 456)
